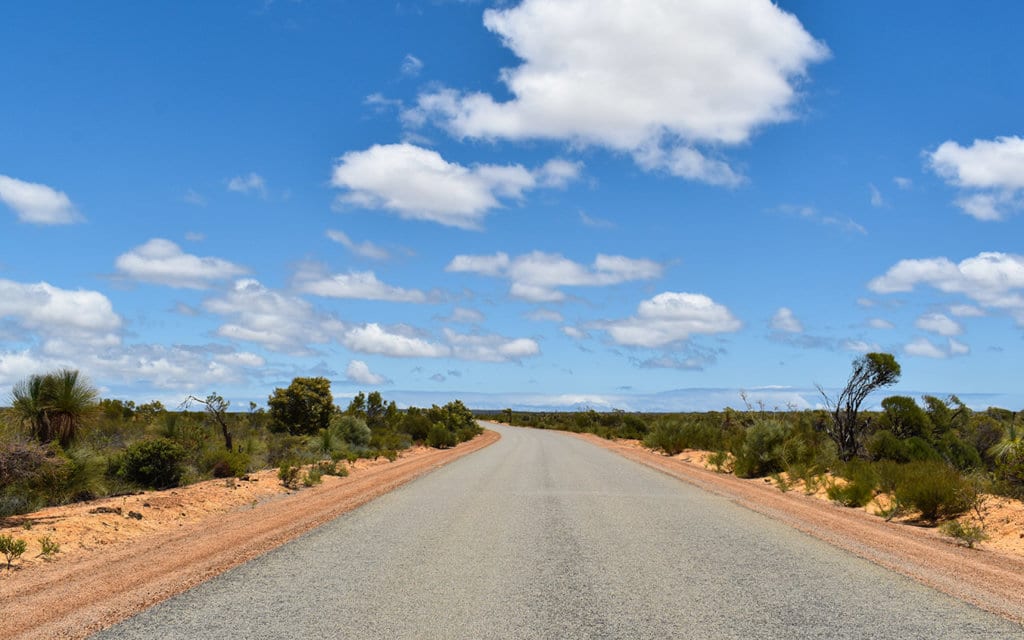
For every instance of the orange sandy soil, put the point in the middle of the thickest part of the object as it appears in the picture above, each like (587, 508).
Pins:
(990, 576)
(112, 565)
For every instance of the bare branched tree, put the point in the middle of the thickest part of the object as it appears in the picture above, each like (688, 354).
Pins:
(871, 372)
(217, 410)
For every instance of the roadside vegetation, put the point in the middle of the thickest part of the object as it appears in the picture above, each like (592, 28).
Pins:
(933, 462)
(61, 443)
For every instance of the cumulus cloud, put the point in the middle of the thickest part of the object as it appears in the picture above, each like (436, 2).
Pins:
(418, 184)
(924, 348)
(784, 320)
(989, 173)
(359, 372)
(880, 323)
(672, 317)
(861, 346)
(37, 203)
(697, 74)
(938, 323)
(161, 261)
(252, 183)
(545, 315)
(538, 276)
(467, 316)
(357, 285)
(365, 249)
(490, 348)
(398, 342)
(274, 320)
(58, 316)
(991, 279)
(966, 311)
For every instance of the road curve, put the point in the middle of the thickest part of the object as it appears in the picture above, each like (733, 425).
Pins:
(542, 535)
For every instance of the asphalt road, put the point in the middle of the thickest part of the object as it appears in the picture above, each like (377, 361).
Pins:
(545, 536)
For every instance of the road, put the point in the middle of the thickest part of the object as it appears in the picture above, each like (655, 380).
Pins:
(542, 535)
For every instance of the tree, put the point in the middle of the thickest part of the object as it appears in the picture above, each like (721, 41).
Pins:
(216, 410)
(303, 408)
(870, 372)
(54, 405)
(904, 418)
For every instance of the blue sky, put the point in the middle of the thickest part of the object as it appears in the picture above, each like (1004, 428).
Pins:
(644, 205)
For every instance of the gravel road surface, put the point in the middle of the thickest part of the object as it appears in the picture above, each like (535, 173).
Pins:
(542, 535)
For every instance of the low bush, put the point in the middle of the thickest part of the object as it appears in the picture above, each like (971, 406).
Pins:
(440, 437)
(48, 547)
(156, 463)
(965, 533)
(288, 474)
(11, 548)
(859, 486)
(761, 452)
(936, 490)
(227, 464)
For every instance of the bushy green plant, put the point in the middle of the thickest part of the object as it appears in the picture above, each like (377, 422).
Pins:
(227, 464)
(440, 437)
(156, 463)
(48, 547)
(12, 548)
(288, 474)
(965, 533)
(314, 475)
(884, 445)
(1009, 473)
(859, 488)
(720, 461)
(936, 490)
(761, 452)
(667, 435)
(351, 429)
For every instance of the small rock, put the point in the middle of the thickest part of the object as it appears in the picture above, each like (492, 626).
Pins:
(146, 504)
(135, 515)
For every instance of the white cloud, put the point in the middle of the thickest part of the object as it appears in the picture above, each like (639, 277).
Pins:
(468, 316)
(490, 348)
(596, 223)
(924, 348)
(991, 279)
(357, 285)
(545, 315)
(396, 343)
(359, 372)
(655, 78)
(574, 332)
(252, 183)
(537, 276)
(672, 317)
(880, 323)
(903, 183)
(876, 196)
(194, 197)
(60, 316)
(966, 311)
(37, 203)
(365, 249)
(990, 173)
(411, 65)
(785, 320)
(558, 173)
(278, 322)
(860, 346)
(161, 261)
(938, 323)
(418, 184)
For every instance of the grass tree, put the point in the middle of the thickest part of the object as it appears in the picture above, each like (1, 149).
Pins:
(55, 405)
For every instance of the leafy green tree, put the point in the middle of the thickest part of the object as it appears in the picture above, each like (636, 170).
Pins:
(358, 406)
(303, 408)
(375, 410)
(55, 405)
(870, 372)
(904, 418)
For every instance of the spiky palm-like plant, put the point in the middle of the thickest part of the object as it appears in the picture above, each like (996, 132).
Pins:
(54, 405)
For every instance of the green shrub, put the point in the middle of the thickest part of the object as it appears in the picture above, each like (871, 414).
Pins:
(11, 548)
(667, 436)
(920, 450)
(227, 464)
(720, 461)
(936, 490)
(351, 429)
(156, 463)
(48, 547)
(958, 452)
(762, 450)
(966, 533)
(440, 437)
(288, 474)
(884, 445)
(674, 435)
(314, 475)
(861, 481)
(1009, 475)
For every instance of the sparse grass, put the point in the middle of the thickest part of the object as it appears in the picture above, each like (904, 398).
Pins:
(966, 533)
